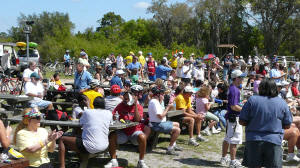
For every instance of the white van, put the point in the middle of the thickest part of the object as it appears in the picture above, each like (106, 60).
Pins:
(14, 60)
(34, 56)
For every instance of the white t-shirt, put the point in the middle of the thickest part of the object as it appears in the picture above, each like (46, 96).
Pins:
(111, 102)
(198, 74)
(85, 62)
(27, 72)
(120, 62)
(5, 61)
(187, 75)
(76, 111)
(37, 89)
(95, 129)
(155, 108)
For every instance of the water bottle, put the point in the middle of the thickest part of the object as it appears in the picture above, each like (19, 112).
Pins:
(117, 116)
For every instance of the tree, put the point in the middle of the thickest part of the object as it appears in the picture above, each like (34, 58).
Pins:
(274, 18)
(110, 24)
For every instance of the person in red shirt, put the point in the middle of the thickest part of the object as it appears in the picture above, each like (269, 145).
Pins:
(294, 88)
(151, 68)
(261, 70)
(129, 109)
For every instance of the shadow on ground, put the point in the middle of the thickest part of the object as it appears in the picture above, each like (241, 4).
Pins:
(198, 162)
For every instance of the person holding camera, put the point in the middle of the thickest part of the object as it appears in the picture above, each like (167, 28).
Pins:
(162, 70)
(234, 131)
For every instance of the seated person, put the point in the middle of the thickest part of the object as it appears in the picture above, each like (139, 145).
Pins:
(35, 89)
(114, 99)
(294, 88)
(93, 92)
(95, 129)
(130, 110)
(222, 109)
(157, 116)
(202, 107)
(35, 142)
(56, 79)
(32, 68)
(134, 77)
(183, 102)
(292, 136)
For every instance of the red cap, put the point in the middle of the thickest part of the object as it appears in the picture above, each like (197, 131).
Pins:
(115, 89)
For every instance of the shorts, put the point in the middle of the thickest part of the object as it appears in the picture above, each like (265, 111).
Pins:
(67, 64)
(41, 104)
(123, 138)
(80, 146)
(234, 132)
(45, 165)
(211, 116)
(262, 154)
(164, 127)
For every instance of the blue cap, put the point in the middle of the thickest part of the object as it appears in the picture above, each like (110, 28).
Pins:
(149, 53)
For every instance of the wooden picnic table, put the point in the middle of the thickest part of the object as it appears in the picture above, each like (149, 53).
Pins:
(171, 113)
(21, 163)
(13, 100)
(75, 123)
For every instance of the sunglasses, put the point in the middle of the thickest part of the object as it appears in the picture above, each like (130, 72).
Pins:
(37, 118)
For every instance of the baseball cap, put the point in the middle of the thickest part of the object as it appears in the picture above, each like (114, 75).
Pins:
(131, 53)
(94, 83)
(120, 72)
(284, 83)
(188, 89)
(67, 51)
(115, 89)
(150, 54)
(180, 53)
(35, 75)
(229, 54)
(140, 52)
(238, 73)
(82, 53)
(279, 84)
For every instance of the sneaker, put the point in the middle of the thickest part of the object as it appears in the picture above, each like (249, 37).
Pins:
(141, 164)
(201, 139)
(193, 142)
(178, 148)
(219, 129)
(206, 132)
(225, 161)
(112, 163)
(171, 152)
(214, 131)
(292, 158)
(235, 164)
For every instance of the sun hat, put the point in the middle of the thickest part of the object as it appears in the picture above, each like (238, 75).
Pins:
(238, 73)
(33, 113)
(115, 89)
(188, 89)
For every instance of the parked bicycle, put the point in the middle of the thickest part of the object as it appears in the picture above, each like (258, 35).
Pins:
(10, 85)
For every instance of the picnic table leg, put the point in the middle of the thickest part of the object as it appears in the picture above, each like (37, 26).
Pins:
(153, 140)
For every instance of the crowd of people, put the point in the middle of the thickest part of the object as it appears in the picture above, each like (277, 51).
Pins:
(209, 93)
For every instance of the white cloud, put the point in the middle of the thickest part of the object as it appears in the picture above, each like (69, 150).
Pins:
(141, 5)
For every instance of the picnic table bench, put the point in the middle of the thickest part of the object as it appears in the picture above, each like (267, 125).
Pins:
(14, 100)
(21, 163)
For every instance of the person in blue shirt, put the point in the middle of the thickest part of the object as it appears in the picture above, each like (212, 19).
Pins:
(265, 116)
(275, 73)
(134, 65)
(67, 59)
(162, 70)
(117, 79)
(82, 79)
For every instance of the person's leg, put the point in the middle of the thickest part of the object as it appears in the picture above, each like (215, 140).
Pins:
(112, 145)
(190, 121)
(233, 148)
(198, 126)
(225, 146)
(292, 136)
(69, 143)
(147, 131)
(142, 141)
(174, 133)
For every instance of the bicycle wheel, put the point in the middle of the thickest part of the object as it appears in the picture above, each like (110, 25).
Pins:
(59, 68)
(4, 89)
(15, 87)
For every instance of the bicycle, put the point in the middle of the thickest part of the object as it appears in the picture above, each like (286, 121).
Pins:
(55, 66)
(10, 85)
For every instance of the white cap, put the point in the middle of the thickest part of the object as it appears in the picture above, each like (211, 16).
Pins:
(241, 57)
(188, 89)
(180, 53)
(279, 84)
(140, 52)
(237, 73)
(120, 72)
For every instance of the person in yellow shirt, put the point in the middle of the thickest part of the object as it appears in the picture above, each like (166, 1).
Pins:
(173, 61)
(93, 92)
(128, 59)
(183, 102)
(56, 79)
(35, 142)
(142, 61)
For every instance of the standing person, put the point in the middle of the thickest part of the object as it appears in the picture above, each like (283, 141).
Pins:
(234, 131)
(275, 73)
(82, 79)
(120, 62)
(117, 79)
(157, 116)
(83, 60)
(227, 63)
(33, 141)
(142, 61)
(265, 116)
(67, 59)
(134, 65)
(151, 67)
(186, 72)
(180, 63)
(128, 59)
(162, 70)
(173, 61)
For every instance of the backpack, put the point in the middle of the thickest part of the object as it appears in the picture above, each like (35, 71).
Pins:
(57, 115)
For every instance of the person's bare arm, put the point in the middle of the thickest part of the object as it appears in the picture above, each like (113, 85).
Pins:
(243, 123)
(4, 135)
(26, 79)
(161, 116)
(207, 106)
(236, 108)
(137, 116)
(34, 95)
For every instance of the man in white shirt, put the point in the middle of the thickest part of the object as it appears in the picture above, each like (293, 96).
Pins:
(83, 60)
(28, 71)
(5, 62)
(157, 116)
(35, 89)
(114, 99)
(198, 72)
(120, 62)
(186, 72)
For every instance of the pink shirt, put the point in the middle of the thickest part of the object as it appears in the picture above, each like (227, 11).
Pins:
(255, 86)
(200, 105)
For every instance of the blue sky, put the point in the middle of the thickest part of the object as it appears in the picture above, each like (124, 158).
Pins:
(84, 13)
